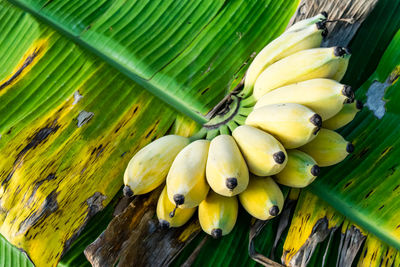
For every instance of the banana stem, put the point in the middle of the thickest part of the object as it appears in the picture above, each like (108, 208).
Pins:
(245, 111)
(232, 125)
(199, 135)
(212, 133)
(248, 102)
(247, 90)
(240, 119)
(224, 129)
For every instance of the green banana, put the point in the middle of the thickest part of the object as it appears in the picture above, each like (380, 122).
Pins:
(328, 148)
(218, 214)
(345, 116)
(300, 171)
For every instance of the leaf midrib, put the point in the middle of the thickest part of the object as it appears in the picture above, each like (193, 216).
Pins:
(163, 95)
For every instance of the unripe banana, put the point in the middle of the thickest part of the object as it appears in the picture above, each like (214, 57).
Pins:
(186, 181)
(263, 199)
(218, 214)
(307, 22)
(264, 154)
(328, 148)
(305, 65)
(149, 167)
(164, 207)
(286, 44)
(324, 96)
(300, 171)
(292, 124)
(226, 170)
(345, 116)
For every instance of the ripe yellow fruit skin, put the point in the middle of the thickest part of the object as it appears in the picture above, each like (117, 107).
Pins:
(225, 165)
(292, 124)
(149, 167)
(218, 212)
(288, 43)
(187, 174)
(345, 116)
(306, 22)
(324, 96)
(301, 66)
(164, 207)
(328, 148)
(263, 199)
(300, 171)
(263, 154)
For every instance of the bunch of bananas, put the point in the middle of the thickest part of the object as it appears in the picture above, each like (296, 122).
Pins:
(282, 133)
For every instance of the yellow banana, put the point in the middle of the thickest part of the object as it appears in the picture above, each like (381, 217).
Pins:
(164, 207)
(226, 170)
(324, 96)
(149, 167)
(300, 171)
(292, 41)
(264, 154)
(263, 199)
(345, 115)
(307, 22)
(305, 65)
(328, 148)
(218, 214)
(186, 181)
(292, 124)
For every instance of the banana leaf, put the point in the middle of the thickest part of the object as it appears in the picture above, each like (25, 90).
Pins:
(364, 186)
(365, 245)
(192, 82)
(69, 125)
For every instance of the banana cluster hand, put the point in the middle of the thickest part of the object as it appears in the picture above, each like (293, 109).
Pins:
(282, 133)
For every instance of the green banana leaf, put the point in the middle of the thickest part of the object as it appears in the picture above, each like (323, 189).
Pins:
(192, 82)
(69, 125)
(70, 122)
(187, 53)
(364, 185)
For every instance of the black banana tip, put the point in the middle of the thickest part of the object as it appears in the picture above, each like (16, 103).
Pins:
(316, 120)
(127, 191)
(350, 148)
(216, 233)
(231, 183)
(348, 91)
(321, 25)
(348, 101)
(164, 224)
(279, 157)
(324, 13)
(359, 105)
(315, 170)
(274, 210)
(341, 51)
(179, 199)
